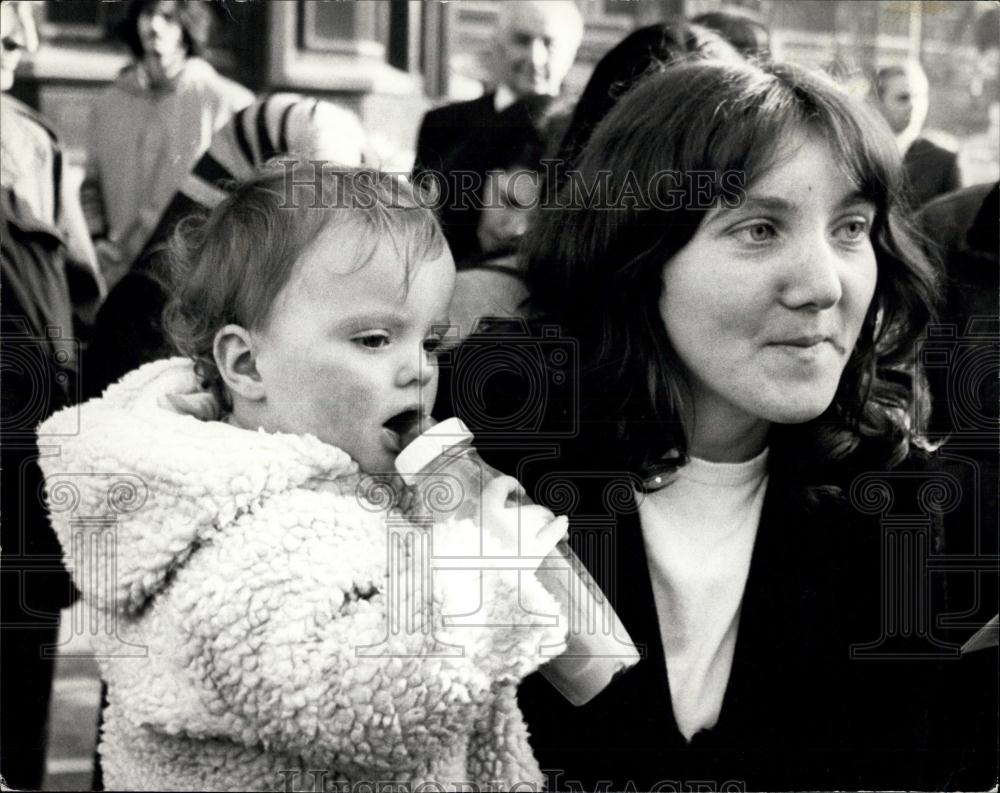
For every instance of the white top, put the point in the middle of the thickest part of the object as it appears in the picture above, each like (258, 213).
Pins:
(503, 98)
(699, 534)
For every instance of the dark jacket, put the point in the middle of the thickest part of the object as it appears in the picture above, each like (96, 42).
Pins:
(961, 355)
(931, 170)
(834, 685)
(843, 676)
(445, 129)
(962, 232)
(963, 228)
(39, 354)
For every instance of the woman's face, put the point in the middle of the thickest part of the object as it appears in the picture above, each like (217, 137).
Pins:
(763, 306)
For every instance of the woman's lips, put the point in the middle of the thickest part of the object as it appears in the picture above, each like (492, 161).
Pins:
(813, 341)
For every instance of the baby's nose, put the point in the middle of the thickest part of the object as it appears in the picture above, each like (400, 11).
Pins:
(417, 369)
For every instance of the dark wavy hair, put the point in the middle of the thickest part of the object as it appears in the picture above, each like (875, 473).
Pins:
(228, 266)
(598, 273)
(748, 35)
(642, 52)
(194, 16)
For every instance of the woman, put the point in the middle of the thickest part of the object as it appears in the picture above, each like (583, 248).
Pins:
(743, 303)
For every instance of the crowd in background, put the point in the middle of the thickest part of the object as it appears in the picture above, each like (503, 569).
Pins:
(171, 137)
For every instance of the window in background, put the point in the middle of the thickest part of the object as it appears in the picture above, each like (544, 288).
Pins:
(80, 21)
(360, 28)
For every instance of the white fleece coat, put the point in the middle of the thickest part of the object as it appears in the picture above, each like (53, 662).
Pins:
(244, 574)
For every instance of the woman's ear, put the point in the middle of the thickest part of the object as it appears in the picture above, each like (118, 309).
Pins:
(235, 358)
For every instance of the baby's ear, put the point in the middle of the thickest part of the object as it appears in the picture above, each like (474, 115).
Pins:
(236, 360)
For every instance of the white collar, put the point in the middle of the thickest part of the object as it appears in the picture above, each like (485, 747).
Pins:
(503, 98)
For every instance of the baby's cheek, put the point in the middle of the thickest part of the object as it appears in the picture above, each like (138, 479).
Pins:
(363, 398)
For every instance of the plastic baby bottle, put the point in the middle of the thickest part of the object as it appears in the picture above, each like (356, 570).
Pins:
(449, 476)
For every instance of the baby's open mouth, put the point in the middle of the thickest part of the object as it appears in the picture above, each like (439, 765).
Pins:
(405, 425)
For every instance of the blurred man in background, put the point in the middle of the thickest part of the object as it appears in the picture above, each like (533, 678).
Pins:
(901, 94)
(536, 46)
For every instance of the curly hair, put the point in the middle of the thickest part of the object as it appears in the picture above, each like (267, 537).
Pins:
(228, 266)
(645, 51)
(598, 273)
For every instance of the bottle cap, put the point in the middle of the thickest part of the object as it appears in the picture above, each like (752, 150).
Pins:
(430, 444)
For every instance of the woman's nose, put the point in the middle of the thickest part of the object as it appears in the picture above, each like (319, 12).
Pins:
(812, 276)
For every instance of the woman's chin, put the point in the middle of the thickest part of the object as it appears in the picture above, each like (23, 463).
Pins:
(794, 406)
(799, 413)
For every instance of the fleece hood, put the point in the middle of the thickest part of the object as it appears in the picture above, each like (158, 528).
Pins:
(166, 479)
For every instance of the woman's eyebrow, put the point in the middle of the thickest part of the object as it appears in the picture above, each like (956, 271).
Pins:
(853, 198)
(752, 203)
(778, 205)
(768, 203)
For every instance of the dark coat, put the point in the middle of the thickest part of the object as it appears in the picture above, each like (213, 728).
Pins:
(39, 377)
(963, 229)
(930, 171)
(39, 362)
(799, 712)
(446, 129)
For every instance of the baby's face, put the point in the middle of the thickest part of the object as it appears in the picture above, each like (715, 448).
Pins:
(348, 356)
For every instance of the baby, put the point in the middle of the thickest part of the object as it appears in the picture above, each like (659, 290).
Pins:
(250, 563)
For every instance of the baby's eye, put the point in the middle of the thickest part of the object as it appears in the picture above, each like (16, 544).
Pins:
(373, 340)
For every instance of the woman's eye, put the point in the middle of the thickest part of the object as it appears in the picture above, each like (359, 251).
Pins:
(372, 341)
(758, 232)
(853, 230)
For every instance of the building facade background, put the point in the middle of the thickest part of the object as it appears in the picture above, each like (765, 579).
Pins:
(390, 60)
